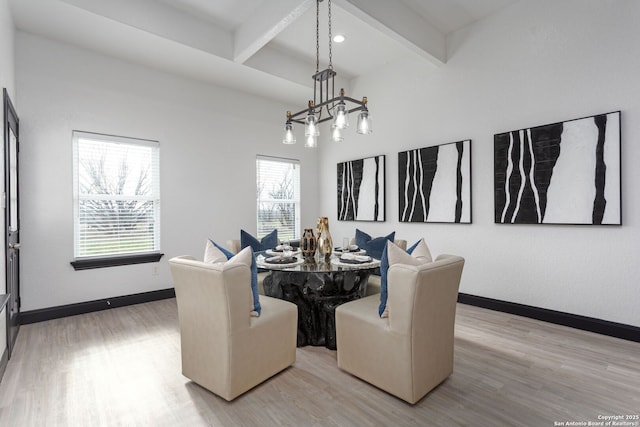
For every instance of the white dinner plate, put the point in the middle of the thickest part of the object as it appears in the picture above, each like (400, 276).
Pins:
(371, 264)
(267, 265)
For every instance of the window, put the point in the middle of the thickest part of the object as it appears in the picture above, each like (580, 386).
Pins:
(116, 196)
(278, 196)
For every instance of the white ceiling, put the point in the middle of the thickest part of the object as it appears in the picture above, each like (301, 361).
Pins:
(264, 47)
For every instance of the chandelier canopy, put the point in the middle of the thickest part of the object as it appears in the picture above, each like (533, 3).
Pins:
(325, 104)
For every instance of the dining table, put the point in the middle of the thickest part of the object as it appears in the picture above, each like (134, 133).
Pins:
(317, 286)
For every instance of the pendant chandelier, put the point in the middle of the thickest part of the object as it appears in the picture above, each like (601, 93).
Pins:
(322, 108)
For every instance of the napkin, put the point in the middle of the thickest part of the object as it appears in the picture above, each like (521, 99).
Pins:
(351, 248)
(353, 257)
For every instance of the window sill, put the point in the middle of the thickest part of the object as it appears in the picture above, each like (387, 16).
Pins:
(87, 264)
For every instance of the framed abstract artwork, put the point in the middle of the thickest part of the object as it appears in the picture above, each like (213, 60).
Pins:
(561, 173)
(361, 195)
(434, 183)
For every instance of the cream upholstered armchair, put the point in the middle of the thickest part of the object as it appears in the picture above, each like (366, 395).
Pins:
(410, 352)
(225, 349)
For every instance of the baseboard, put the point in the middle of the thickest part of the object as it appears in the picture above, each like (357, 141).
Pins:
(50, 313)
(604, 327)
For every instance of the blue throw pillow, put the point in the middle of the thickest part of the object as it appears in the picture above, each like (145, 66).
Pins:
(254, 276)
(269, 241)
(384, 269)
(374, 247)
(254, 286)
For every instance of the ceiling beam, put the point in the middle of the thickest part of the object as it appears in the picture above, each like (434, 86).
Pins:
(402, 24)
(264, 24)
(162, 20)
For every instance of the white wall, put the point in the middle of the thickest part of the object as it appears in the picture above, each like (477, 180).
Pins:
(535, 63)
(6, 81)
(7, 31)
(209, 137)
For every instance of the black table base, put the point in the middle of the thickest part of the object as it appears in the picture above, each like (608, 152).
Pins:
(317, 294)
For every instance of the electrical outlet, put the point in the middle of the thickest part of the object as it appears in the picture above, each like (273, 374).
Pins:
(154, 270)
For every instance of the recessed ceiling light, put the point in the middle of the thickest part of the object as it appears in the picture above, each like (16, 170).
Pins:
(338, 38)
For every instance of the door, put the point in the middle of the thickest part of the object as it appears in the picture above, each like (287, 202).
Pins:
(12, 220)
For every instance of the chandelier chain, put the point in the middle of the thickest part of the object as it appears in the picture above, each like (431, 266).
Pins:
(330, 40)
(317, 35)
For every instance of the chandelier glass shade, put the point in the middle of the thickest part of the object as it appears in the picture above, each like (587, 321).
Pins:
(364, 123)
(336, 134)
(311, 125)
(341, 120)
(289, 136)
(311, 141)
(326, 105)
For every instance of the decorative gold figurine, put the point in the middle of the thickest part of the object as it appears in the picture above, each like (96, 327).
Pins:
(308, 244)
(325, 243)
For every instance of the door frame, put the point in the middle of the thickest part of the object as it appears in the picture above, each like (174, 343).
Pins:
(11, 123)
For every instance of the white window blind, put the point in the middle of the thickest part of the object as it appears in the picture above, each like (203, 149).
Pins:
(278, 196)
(116, 195)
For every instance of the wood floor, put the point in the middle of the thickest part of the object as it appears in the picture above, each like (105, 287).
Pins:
(121, 367)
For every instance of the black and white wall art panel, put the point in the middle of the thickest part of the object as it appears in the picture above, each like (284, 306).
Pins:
(361, 190)
(434, 183)
(562, 173)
